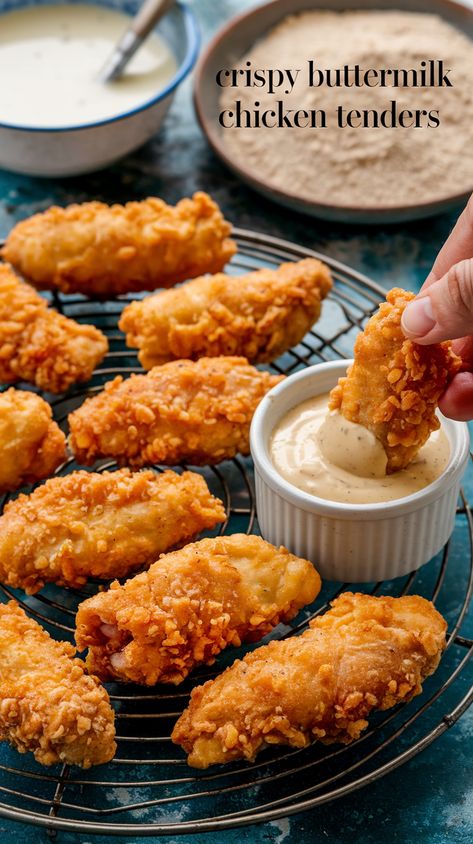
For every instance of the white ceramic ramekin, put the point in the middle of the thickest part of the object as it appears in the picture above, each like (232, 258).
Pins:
(353, 543)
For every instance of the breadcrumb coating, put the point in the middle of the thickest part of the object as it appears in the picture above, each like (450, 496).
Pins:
(394, 385)
(48, 704)
(39, 345)
(366, 653)
(32, 446)
(101, 250)
(190, 605)
(259, 315)
(100, 525)
(198, 413)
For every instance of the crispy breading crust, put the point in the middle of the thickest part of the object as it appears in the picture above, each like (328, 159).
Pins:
(102, 250)
(39, 345)
(48, 704)
(190, 605)
(259, 315)
(366, 653)
(100, 525)
(394, 385)
(198, 413)
(32, 446)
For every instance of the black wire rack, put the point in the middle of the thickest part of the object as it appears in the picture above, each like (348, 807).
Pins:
(148, 788)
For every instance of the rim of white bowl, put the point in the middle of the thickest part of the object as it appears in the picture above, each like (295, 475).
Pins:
(457, 433)
(193, 44)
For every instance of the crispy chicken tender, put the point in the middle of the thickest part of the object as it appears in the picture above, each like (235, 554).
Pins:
(259, 315)
(48, 704)
(32, 446)
(102, 250)
(190, 605)
(100, 525)
(39, 345)
(198, 413)
(365, 653)
(394, 385)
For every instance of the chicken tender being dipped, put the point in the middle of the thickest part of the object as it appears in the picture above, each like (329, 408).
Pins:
(394, 385)
(198, 413)
(259, 315)
(49, 706)
(40, 345)
(32, 445)
(190, 605)
(102, 250)
(100, 525)
(365, 653)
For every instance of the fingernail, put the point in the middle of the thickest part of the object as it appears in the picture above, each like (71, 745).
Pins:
(418, 317)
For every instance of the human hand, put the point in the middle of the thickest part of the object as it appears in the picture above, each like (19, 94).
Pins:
(443, 310)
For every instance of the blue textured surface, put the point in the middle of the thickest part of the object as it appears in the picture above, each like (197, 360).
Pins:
(430, 799)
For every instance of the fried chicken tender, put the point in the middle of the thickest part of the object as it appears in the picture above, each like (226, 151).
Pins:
(39, 345)
(32, 446)
(100, 525)
(198, 413)
(259, 315)
(190, 605)
(102, 250)
(394, 385)
(48, 704)
(365, 653)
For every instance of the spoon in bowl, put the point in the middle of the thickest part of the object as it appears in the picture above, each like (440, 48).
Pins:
(145, 19)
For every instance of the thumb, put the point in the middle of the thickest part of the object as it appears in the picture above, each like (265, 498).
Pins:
(445, 310)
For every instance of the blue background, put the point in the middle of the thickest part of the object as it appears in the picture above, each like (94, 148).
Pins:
(430, 799)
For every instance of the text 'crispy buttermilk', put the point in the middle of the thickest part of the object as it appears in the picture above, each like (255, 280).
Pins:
(394, 384)
(190, 605)
(197, 413)
(48, 704)
(366, 653)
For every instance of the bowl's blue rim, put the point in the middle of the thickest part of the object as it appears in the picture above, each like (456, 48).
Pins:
(193, 39)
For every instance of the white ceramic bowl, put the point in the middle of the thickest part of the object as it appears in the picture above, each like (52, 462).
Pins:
(354, 543)
(72, 150)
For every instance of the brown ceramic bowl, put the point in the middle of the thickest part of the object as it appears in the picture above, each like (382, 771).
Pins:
(236, 38)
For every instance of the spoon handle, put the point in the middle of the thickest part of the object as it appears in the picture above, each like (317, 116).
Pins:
(147, 16)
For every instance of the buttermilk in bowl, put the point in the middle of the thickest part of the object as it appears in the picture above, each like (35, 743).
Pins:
(51, 57)
(322, 453)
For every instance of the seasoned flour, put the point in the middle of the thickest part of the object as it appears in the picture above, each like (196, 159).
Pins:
(361, 167)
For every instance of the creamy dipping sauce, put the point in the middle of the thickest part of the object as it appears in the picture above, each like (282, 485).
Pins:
(335, 459)
(50, 58)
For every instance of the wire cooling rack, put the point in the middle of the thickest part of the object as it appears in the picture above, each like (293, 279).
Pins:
(148, 788)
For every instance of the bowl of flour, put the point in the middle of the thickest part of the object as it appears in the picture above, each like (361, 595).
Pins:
(358, 113)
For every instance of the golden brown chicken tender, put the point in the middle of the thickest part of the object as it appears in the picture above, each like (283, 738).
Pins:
(366, 653)
(102, 250)
(394, 385)
(198, 413)
(259, 315)
(32, 446)
(39, 345)
(100, 525)
(48, 704)
(190, 605)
